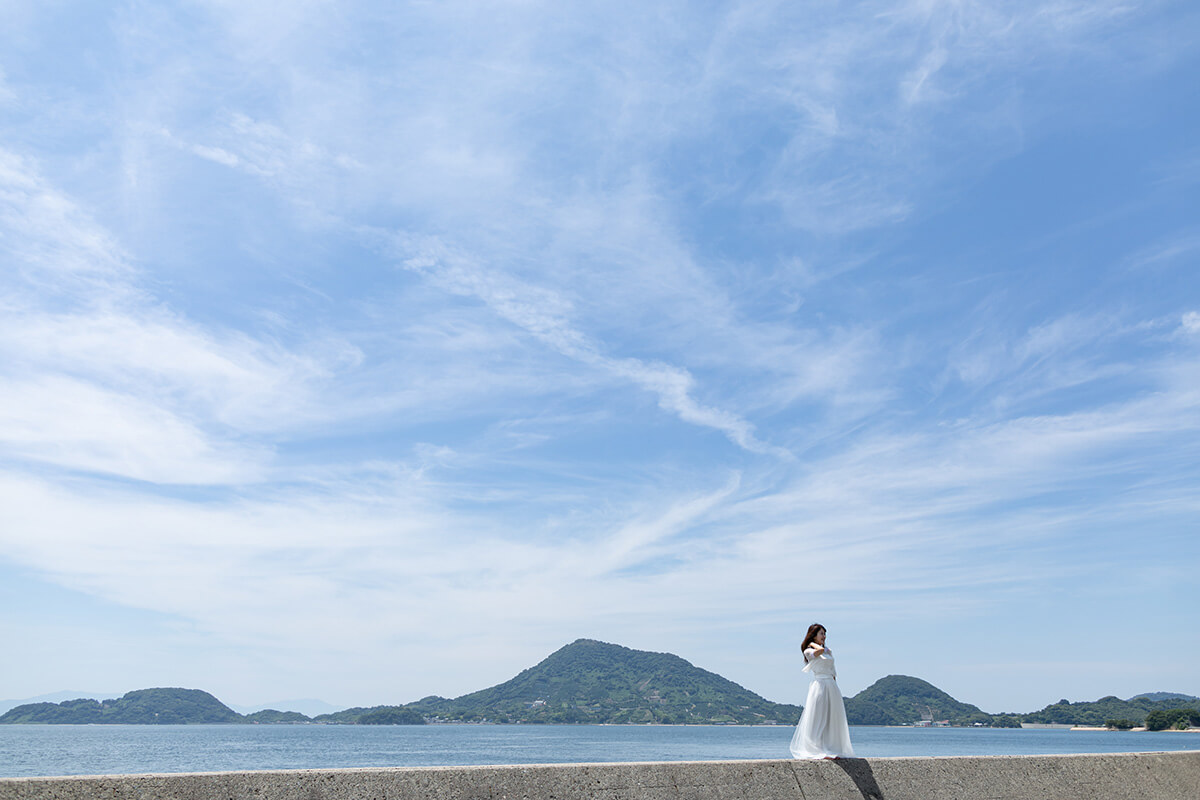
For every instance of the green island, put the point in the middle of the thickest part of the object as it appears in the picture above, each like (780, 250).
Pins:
(140, 707)
(595, 682)
(902, 700)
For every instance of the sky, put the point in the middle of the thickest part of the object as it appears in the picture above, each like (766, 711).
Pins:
(365, 351)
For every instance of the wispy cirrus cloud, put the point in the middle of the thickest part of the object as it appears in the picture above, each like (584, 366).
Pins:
(1167, 254)
(544, 315)
(262, 149)
(81, 426)
(51, 239)
(100, 377)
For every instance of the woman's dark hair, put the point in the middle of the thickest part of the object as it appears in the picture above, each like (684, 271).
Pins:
(813, 630)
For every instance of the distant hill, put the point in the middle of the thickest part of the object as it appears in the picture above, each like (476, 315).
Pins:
(591, 681)
(270, 716)
(143, 706)
(1159, 696)
(189, 706)
(376, 715)
(1099, 711)
(55, 697)
(902, 700)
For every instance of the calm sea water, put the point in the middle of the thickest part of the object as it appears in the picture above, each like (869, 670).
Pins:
(27, 750)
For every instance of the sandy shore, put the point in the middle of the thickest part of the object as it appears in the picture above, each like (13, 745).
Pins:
(1102, 728)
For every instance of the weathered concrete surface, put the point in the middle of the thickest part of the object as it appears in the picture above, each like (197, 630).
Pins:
(1134, 776)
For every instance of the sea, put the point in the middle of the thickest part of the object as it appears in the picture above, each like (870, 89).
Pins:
(43, 750)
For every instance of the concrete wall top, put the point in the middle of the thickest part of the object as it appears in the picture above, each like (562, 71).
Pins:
(1126, 776)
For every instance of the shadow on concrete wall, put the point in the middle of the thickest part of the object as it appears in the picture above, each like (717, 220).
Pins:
(859, 771)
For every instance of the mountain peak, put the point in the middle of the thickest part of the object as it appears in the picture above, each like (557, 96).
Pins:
(593, 681)
(903, 699)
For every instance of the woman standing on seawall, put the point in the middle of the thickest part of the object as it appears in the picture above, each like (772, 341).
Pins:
(822, 732)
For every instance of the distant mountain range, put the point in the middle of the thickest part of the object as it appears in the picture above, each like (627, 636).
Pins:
(595, 682)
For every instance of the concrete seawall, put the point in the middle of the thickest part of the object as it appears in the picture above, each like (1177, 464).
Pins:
(1131, 776)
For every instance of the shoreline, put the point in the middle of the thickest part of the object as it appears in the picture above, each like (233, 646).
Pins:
(1140, 729)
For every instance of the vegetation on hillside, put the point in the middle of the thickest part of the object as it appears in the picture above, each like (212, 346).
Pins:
(140, 707)
(269, 716)
(392, 715)
(1005, 721)
(1098, 712)
(594, 682)
(375, 715)
(1181, 718)
(591, 681)
(902, 700)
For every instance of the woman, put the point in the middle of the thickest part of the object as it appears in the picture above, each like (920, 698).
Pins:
(822, 732)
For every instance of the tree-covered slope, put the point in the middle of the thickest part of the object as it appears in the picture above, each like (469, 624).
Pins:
(901, 700)
(1157, 696)
(1097, 712)
(591, 681)
(376, 715)
(143, 706)
(270, 716)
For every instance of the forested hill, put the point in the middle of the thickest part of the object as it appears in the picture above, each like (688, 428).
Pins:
(902, 700)
(591, 681)
(1159, 696)
(1098, 712)
(188, 707)
(140, 707)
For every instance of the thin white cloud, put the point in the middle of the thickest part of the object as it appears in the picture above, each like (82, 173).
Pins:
(100, 378)
(216, 154)
(932, 53)
(75, 424)
(342, 570)
(1166, 253)
(49, 238)
(913, 87)
(262, 149)
(545, 315)
(1057, 354)
(228, 378)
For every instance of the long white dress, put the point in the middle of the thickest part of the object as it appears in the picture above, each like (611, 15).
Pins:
(823, 731)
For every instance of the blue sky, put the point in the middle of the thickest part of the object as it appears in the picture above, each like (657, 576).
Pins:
(367, 351)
